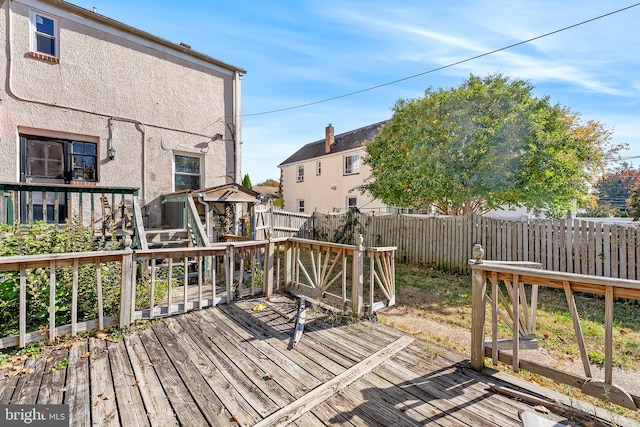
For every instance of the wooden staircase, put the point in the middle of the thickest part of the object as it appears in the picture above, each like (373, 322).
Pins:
(168, 238)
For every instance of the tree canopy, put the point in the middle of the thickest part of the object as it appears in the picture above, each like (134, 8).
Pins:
(614, 188)
(486, 144)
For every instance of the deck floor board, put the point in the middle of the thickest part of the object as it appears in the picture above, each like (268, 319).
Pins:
(231, 365)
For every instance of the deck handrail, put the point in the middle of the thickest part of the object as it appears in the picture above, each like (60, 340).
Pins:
(18, 205)
(224, 271)
(519, 313)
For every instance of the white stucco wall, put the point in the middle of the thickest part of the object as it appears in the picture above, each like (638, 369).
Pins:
(143, 97)
(328, 191)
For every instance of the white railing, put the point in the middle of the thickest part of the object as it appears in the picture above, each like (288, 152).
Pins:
(96, 290)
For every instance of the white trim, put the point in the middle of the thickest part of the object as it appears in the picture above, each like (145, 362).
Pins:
(33, 32)
(173, 167)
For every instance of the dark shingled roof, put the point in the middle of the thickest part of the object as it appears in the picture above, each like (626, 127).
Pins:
(342, 142)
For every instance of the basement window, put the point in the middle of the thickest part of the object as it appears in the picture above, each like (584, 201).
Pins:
(44, 36)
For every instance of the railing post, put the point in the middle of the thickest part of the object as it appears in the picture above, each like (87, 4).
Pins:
(478, 291)
(357, 281)
(127, 288)
(288, 265)
(267, 277)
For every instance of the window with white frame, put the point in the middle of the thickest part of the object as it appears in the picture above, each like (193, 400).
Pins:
(301, 205)
(318, 168)
(187, 172)
(44, 34)
(351, 164)
(300, 173)
(352, 203)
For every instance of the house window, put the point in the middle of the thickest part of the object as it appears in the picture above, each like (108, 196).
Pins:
(44, 34)
(318, 168)
(352, 203)
(351, 164)
(188, 172)
(84, 161)
(300, 205)
(300, 173)
(50, 158)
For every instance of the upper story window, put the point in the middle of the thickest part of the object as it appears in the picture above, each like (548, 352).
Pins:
(318, 168)
(187, 172)
(301, 205)
(300, 173)
(351, 164)
(44, 35)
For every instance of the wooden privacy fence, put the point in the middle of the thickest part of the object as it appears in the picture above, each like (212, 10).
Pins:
(572, 246)
(517, 310)
(58, 294)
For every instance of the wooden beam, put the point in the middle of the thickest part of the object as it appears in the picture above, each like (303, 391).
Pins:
(294, 410)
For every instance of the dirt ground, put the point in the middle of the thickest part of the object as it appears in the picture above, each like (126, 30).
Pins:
(460, 339)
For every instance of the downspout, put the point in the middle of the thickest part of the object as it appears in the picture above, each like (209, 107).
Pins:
(237, 118)
(237, 140)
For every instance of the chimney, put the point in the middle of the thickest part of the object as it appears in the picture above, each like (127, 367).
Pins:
(328, 140)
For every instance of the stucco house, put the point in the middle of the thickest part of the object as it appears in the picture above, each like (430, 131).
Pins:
(323, 175)
(91, 102)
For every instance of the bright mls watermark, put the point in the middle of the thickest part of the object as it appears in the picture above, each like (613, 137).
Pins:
(34, 415)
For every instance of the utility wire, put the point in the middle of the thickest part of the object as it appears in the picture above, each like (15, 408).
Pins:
(453, 64)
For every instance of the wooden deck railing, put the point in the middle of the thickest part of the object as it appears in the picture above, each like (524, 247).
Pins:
(518, 310)
(163, 282)
(109, 211)
(336, 272)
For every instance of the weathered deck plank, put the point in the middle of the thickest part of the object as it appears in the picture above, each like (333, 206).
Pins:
(230, 365)
(183, 404)
(104, 410)
(128, 397)
(77, 385)
(155, 401)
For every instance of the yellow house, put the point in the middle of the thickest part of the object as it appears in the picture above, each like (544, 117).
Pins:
(324, 175)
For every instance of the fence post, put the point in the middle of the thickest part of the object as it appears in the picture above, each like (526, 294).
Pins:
(478, 293)
(357, 280)
(127, 288)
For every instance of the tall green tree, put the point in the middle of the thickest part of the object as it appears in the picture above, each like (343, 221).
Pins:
(486, 144)
(246, 181)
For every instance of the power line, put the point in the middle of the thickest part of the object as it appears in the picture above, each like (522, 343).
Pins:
(433, 70)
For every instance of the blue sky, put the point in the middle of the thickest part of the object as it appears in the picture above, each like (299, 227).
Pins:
(299, 52)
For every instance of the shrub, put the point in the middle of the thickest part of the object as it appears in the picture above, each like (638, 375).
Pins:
(43, 238)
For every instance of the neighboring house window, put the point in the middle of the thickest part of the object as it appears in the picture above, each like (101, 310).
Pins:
(318, 168)
(351, 164)
(300, 173)
(301, 205)
(188, 172)
(51, 158)
(44, 34)
(352, 203)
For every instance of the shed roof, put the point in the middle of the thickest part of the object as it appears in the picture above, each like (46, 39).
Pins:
(342, 142)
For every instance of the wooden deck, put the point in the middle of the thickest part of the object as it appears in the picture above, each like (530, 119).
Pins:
(230, 365)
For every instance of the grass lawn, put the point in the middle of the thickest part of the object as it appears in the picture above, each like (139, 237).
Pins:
(446, 298)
